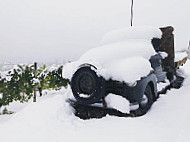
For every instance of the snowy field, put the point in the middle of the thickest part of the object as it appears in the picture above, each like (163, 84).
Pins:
(51, 119)
(57, 31)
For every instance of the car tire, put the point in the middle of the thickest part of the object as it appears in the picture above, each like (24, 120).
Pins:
(87, 86)
(145, 104)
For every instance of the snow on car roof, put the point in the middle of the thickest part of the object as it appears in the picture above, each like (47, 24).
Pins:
(109, 52)
(144, 32)
(124, 58)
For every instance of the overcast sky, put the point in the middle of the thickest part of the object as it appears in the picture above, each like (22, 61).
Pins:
(61, 30)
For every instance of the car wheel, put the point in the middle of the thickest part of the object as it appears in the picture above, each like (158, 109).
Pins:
(86, 86)
(145, 104)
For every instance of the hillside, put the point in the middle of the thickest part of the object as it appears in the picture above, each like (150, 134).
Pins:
(51, 119)
(58, 31)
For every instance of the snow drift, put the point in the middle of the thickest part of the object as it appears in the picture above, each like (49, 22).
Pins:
(51, 119)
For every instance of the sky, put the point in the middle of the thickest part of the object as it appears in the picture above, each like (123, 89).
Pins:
(61, 30)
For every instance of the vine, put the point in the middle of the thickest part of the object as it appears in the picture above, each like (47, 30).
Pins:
(19, 83)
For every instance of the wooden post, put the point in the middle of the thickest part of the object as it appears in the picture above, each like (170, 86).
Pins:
(35, 75)
(167, 45)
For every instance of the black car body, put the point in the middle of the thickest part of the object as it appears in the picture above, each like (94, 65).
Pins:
(90, 87)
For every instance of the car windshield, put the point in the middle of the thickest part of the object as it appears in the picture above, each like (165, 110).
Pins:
(156, 43)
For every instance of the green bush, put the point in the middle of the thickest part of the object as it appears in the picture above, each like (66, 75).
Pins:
(20, 82)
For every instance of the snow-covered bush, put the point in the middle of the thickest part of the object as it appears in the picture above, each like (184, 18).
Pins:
(51, 78)
(19, 83)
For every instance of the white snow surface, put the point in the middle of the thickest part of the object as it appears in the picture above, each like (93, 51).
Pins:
(180, 55)
(108, 53)
(51, 119)
(61, 30)
(124, 61)
(128, 70)
(127, 42)
(135, 32)
(163, 55)
(117, 102)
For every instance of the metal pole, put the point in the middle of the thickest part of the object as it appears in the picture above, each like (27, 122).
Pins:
(131, 13)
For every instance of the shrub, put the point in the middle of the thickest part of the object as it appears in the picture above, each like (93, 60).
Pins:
(19, 83)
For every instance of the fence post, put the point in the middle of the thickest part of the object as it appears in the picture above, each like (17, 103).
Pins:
(35, 75)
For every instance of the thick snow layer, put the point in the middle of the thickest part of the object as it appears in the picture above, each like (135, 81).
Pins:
(117, 102)
(107, 53)
(163, 55)
(132, 41)
(125, 60)
(162, 85)
(51, 119)
(132, 33)
(128, 70)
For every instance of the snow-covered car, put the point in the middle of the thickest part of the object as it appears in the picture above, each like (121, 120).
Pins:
(129, 63)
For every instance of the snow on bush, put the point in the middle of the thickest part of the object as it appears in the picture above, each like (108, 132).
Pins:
(18, 84)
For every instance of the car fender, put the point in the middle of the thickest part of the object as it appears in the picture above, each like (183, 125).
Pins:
(135, 94)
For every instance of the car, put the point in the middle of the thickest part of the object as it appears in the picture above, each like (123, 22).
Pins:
(130, 63)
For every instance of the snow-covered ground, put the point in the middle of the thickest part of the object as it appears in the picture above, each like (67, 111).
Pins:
(56, 31)
(51, 119)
